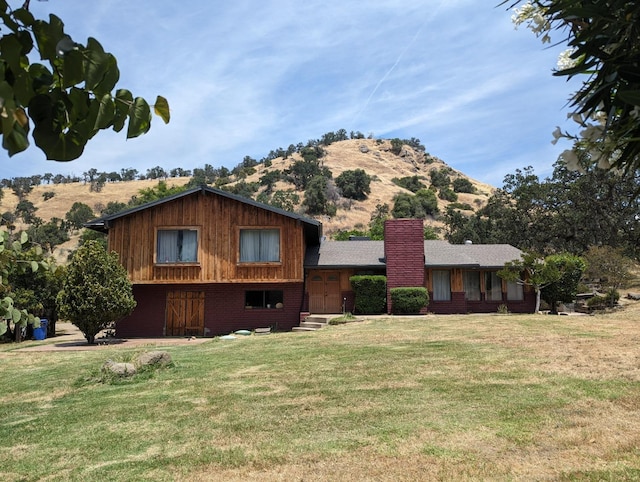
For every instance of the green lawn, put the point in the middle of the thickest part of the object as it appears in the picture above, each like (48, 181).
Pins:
(423, 398)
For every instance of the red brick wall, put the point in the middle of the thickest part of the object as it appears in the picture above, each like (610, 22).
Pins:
(404, 253)
(224, 310)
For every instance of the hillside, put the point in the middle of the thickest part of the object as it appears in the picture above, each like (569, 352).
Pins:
(373, 156)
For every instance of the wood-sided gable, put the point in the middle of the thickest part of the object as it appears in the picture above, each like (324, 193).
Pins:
(218, 218)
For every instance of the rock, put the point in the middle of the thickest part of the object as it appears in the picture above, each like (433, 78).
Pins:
(119, 369)
(633, 296)
(157, 357)
(364, 149)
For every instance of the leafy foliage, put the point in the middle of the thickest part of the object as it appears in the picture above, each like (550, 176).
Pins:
(14, 261)
(411, 183)
(95, 290)
(440, 178)
(48, 235)
(462, 184)
(533, 270)
(370, 293)
(420, 205)
(316, 199)
(570, 211)
(604, 44)
(409, 301)
(609, 266)
(70, 99)
(566, 287)
(79, 214)
(354, 184)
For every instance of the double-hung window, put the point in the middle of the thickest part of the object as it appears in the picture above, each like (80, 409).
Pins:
(177, 246)
(259, 245)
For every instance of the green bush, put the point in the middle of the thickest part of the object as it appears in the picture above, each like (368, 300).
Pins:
(409, 301)
(370, 293)
(601, 302)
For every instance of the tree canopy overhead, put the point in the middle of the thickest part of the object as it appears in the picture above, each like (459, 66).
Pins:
(67, 97)
(603, 37)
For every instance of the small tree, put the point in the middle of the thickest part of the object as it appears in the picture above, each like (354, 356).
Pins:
(565, 288)
(95, 290)
(354, 184)
(609, 265)
(531, 270)
(79, 214)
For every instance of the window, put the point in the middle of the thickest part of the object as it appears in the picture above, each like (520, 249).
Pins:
(471, 280)
(441, 285)
(493, 286)
(259, 245)
(514, 291)
(177, 246)
(263, 299)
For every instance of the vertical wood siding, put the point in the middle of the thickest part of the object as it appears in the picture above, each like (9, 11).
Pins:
(218, 220)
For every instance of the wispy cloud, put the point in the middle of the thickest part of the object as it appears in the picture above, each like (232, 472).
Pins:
(245, 77)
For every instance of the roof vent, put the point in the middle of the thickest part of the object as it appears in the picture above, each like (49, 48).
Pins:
(468, 241)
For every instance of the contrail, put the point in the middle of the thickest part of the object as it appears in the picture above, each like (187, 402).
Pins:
(388, 73)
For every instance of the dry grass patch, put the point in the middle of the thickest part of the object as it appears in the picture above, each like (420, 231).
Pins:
(419, 398)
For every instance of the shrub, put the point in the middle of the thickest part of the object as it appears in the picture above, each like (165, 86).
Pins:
(447, 194)
(409, 301)
(411, 183)
(370, 293)
(462, 184)
(599, 302)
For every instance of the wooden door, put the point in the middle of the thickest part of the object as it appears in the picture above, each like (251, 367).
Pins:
(324, 292)
(185, 313)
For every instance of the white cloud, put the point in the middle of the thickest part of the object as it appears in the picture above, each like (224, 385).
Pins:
(246, 77)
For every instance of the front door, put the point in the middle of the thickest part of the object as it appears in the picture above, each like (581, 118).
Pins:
(185, 313)
(324, 292)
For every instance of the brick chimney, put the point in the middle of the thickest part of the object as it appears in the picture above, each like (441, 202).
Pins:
(404, 254)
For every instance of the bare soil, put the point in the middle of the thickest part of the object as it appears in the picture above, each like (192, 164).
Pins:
(70, 338)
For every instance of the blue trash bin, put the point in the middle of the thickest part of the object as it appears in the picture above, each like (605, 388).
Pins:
(41, 332)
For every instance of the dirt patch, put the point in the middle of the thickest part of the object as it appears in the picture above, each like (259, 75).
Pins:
(70, 338)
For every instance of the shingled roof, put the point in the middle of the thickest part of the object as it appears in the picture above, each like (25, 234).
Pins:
(438, 254)
(312, 227)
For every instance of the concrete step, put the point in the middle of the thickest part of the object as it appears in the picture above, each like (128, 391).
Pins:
(303, 328)
(312, 324)
(317, 319)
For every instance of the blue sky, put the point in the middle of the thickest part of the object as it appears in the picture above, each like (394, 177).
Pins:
(245, 77)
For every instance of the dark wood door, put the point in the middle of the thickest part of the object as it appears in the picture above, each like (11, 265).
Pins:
(324, 292)
(185, 313)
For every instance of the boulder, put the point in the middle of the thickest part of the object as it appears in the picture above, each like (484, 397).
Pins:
(119, 369)
(157, 357)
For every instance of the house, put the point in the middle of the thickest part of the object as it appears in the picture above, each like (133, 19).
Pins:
(206, 262)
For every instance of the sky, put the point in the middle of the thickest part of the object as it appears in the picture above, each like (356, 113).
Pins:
(245, 77)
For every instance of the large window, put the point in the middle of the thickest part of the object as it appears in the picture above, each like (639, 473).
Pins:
(471, 280)
(177, 246)
(259, 245)
(263, 299)
(441, 285)
(492, 286)
(514, 291)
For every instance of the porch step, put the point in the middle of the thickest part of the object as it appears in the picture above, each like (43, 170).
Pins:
(317, 319)
(312, 323)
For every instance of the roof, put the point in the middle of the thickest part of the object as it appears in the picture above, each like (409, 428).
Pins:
(344, 254)
(438, 254)
(312, 227)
